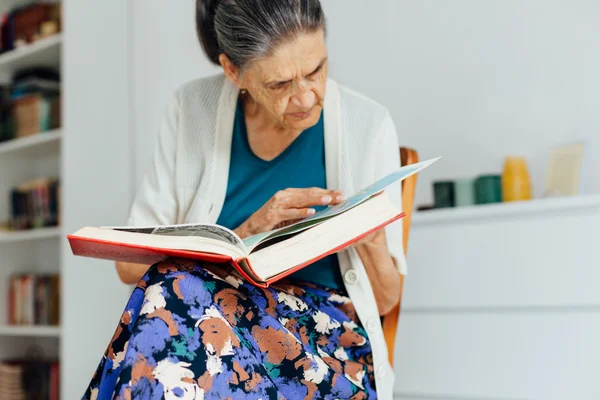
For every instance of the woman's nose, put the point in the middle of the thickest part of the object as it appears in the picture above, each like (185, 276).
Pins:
(304, 100)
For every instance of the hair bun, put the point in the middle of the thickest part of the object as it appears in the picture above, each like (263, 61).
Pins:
(206, 11)
(247, 30)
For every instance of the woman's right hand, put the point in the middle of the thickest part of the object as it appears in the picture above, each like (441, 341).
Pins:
(288, 206)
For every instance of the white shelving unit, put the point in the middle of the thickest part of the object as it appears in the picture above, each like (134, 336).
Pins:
(32, 146)
(36, 251)
(30, 235)
(507, 210)
(30, 331)
(45, 52)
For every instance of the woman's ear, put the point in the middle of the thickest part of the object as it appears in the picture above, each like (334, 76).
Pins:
(231, 71)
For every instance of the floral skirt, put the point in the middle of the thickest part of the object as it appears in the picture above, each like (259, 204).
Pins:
(194, 331)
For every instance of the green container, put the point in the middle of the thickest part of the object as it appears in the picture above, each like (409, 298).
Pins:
(443, 194)
(488, 189)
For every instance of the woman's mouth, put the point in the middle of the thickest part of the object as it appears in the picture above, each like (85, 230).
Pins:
(302, 115)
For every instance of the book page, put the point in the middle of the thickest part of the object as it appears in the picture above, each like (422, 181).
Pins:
(208, 231)
(254, 241)
(330, 212)
(311, 244)
(146, 239)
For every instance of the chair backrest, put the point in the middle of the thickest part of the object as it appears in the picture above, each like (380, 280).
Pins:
(409, 185)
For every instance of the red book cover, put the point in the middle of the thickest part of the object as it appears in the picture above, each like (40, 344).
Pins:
(107, 250)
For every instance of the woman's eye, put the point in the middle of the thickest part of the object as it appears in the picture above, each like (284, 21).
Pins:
(279, 85)
(316, 72)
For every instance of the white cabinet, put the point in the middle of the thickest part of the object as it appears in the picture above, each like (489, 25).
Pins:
(502, 302)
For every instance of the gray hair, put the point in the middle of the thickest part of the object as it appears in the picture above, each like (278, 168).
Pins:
(248, 30)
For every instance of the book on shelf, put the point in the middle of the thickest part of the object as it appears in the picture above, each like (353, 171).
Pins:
(35, 204)
(261, 259)
(6, 123)
(33, 378)
(30, 104)
(28, 23)
(34, 299)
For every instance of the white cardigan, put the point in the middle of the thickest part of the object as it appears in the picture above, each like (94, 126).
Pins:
(187, 181)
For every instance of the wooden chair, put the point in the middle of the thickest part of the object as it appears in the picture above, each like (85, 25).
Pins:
(409, 185)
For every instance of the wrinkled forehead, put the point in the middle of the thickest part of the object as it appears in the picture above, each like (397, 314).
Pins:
(291, 60)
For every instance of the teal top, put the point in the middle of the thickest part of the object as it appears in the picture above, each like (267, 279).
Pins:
(253, 181)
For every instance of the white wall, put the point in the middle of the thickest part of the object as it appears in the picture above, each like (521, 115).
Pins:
(96, 178)
(459, 74)
(456, 75)
(163, 59)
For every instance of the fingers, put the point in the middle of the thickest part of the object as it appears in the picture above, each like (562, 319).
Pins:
(306, 198)
(302, 199)
(293, 205)
(316, 191)
(295, 213)
(339, 198)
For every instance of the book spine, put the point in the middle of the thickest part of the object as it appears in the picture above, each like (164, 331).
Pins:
(237, 265)
(19, 298)
(47, 301)
(54, 381)
(30, 299)
(55, 293)
(11, 301)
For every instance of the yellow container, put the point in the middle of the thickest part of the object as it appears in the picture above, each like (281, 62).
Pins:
(516, 184)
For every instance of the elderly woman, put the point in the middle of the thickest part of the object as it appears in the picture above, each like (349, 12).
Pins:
(269, 141)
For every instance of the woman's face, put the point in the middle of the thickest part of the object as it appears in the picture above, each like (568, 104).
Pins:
(290, 83)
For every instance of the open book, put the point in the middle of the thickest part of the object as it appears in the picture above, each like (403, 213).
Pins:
(261, 259)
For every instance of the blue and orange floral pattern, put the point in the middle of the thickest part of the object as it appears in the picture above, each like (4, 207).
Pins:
(198, 331)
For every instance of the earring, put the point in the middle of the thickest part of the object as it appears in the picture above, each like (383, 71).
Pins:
(243, 92)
